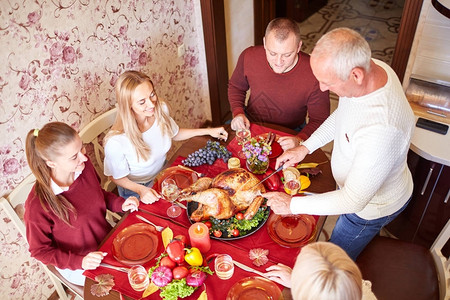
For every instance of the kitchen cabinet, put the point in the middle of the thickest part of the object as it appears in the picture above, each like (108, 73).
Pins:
(429, 208)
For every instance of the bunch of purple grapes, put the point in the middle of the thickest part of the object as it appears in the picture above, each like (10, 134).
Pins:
(207, 155)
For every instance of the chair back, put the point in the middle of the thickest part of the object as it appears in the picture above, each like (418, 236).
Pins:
(93, 133)
(405, 270)
(442, 262)
(13, 205)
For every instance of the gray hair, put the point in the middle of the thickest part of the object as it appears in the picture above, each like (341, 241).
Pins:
(282, 27)
(345, 49)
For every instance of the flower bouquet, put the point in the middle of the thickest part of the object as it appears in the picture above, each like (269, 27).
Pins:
(257, 151)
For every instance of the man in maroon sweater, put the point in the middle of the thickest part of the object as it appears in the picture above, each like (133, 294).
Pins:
(283, 89)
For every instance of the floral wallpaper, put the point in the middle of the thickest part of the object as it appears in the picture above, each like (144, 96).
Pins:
(60, 60)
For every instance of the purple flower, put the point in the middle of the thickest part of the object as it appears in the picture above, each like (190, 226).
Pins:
(69, 55)
(33, 17)
(143, 59)
(56, 51)
(11, 166)
(193, 61)
(123, 30)
(24, 82)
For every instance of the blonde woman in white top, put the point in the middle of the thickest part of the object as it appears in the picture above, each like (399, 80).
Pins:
(137, 144)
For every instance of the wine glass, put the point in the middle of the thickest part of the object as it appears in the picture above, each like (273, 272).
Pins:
(170, 191)
(242, 136)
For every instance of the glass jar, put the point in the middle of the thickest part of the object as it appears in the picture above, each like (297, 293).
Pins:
(257, 166)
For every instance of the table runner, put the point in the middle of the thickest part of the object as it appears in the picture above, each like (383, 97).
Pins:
(215, 287)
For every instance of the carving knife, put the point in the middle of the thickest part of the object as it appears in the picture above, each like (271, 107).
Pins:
(267, 177)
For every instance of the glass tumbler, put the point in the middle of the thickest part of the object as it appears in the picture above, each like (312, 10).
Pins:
(223, 266)
(138, 278)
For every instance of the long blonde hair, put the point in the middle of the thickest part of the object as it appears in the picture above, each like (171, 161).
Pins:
(42, 145)
(125, 120)
(324, 271)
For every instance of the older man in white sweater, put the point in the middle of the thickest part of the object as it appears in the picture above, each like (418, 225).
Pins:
(371, 129)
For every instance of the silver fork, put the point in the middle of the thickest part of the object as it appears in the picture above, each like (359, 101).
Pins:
(158, 228)
(272, 138)
(269, 135)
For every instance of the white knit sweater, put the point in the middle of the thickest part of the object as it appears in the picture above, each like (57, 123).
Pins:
(371, 140)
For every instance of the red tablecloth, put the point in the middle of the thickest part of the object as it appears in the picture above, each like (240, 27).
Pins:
(238, 249)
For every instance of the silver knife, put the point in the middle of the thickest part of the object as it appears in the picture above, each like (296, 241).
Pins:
(174, 202)
(248, 269)
(180, 204)
(121, 269)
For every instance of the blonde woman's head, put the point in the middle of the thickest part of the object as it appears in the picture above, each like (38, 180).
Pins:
(126, 121)
(324, 271)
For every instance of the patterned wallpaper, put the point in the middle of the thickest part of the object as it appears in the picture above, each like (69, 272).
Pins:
(59, 62)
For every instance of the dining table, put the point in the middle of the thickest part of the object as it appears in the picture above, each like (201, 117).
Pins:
(239, 249)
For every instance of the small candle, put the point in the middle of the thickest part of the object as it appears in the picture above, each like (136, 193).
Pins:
(199, 236)
(234, 162)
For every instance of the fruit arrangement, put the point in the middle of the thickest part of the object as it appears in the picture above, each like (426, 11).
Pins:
(207, 155)
(178, 271)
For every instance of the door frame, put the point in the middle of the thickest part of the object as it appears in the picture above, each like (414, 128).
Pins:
(213, 19)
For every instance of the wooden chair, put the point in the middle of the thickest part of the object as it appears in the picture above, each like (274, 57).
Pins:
(14, 208)
(93, 133)
(404, 270)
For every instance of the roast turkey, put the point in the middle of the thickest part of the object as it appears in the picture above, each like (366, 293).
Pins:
(221, 197)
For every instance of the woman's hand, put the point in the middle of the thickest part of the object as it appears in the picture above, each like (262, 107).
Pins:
(92, 260)
(280, 273)
(219, 133)
(289, 142)
(131, 204)
(280, 203)
(148, 195)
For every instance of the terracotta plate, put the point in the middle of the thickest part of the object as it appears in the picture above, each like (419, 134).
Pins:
(276, 148)
(291, 231)
(184, 177)
(254, 288)
(135, 244)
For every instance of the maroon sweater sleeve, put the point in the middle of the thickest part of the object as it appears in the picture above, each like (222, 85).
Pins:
(237, 87)
(54, 242)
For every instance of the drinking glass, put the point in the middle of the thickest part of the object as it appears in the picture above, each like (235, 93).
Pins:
(223, 266)
(242, 136)
(170, 191)
(292, 187)
(138, 278)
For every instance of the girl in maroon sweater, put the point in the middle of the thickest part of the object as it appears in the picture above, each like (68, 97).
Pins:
(65, 211)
